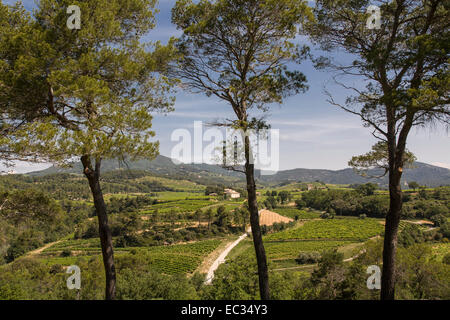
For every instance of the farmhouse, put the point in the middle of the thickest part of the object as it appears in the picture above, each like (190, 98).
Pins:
(232, 194)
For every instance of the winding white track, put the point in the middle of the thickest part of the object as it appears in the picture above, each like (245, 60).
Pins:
(221, 258)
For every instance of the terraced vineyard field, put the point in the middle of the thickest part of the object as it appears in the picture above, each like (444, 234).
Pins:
(293, 212)
(184, 185)
(331, 229)
(184, 258)
(291, 249)
(170, 195)
(174, 259)
(191, 205)
(179, 206)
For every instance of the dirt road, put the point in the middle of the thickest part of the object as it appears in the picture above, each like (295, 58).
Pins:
(221, 258)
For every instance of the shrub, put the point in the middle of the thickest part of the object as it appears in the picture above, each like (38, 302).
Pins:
(308, 257)
(446, 259)
(410, 235)
(300, 204)
(438, 220)
(327, 215)
(66, 253)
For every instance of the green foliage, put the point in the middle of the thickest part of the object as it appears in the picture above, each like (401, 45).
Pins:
(26, 241)
(327, 215)
(284, 196)
(101, 114)
(367, 189)
(377, 159)
(28, 219)
(150, 285)
(420, 277)
(350, 203)
(445, 230)
(238, 280)
(328, 261)
(413, 185)
(300, 204)
(208, 44)
(438, 219)
(446, 259)
(410, 235)
(307, 257)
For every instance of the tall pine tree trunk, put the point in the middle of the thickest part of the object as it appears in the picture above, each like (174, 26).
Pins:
(396, 153)
(390, 237)
(93, 176)
(263, 272)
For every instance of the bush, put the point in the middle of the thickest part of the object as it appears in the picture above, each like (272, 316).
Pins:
(308, 257)
(300, 204)
(327, 215)
(410, 235)
(438, 220)
(446, 259)
(66, 253)
(445, 229)
(56, 268)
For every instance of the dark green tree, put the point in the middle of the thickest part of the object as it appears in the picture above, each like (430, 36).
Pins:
(406, 68)
(93, 90)
(413, 185)
(238, 51)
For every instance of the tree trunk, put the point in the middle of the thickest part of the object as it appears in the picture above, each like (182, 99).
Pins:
(93, 176)
(396, 151)
(263, 272)
(390, 237)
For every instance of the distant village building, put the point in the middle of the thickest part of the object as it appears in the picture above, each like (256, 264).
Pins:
(310, 187)
(232, 194)
(213, 194)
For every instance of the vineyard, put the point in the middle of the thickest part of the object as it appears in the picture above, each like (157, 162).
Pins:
(174, 259)
(178, 206)
(190, 205)
(291, 249)
(331, 229)
(293, 212)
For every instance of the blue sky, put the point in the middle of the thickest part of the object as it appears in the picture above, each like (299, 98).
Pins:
(313, 133)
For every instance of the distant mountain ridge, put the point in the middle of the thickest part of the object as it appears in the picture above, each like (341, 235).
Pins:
(424, 174)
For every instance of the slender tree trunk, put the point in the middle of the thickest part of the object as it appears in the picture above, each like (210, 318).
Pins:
(396, 151)
(93, 176)
(263, 271)
(390, 237)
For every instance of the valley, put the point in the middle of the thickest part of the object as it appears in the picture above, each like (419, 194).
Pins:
(176, 230)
